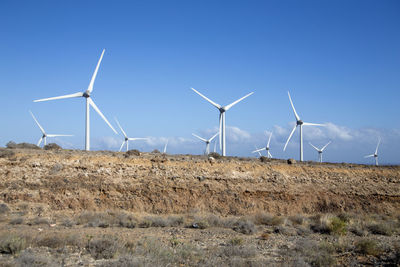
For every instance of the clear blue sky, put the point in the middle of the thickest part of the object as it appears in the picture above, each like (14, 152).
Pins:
(339, 59)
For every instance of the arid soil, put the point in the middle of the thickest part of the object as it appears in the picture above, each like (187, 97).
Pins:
(76, 208)
(74, 181)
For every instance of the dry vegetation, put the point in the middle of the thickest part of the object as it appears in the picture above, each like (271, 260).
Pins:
(70, 208)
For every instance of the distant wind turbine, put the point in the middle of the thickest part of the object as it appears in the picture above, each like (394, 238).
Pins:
(222, 110)
(375, 155)
(126, 138)
(44, 134)
(257, 150)
(207, 141)
(300, 123)
(320, 150)
(269, 155)
(89, 102)
(165, 147)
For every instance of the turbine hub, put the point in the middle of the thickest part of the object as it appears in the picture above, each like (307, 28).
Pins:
(126, 138)
(86, 94)
(375, 155)
(44, 135)
(300, 122)
(222, 109)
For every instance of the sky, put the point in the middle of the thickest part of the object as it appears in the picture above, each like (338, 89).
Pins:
(340, 60)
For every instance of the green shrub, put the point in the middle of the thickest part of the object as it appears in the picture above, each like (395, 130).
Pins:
(337, 226)
(268, 219)
(368, 247)
(11, 244)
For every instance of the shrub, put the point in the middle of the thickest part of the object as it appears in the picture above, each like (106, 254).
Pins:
(297, 219)
(245, 227)
(67, 222)
(30, 258)
(50, 241)
(11, 244)
(337, 226)
(316, 254)
(236, 241)
(52, 146)
(103, 248)
(175, 220)
(264, 159)
(156, 151)
(156, 221)
(4, 208)
(96, 219)
(368, 247)
(239, 251)
(126, 220)
(40, 220)
(18, 220)
(381, 229)
(13, 145)
(200, 224)
(4, 153)
(268, 219)
(132, 152)
(328, 225)
(215, 155)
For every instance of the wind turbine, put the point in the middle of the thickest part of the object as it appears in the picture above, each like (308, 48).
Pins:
(269, 155)
(165, 147)
(222, 110)
(299, 123)
(320, 150)
(257, 150)
(375, 155)
(89, 102)
(44, 134)
(127, 139)
(207, 141)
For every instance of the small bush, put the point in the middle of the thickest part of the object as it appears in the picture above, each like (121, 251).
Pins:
(268, 219)
(245, 227)
(126, 220)
(13, 145)
(358, 230)
(96, 219)
(50, 241)
(337, 226)
(157, 221)
(132, 152)
(40, 220)
(297, 219)
(156, 151)
(18, 220)
(67, 222)
(175, 220)
(30, 258)
(236, 241)
(4, 153)
(240, 251)
(368, 247)
(52, 146)
(11, 244)
(264, 159)
(381, 229)
(4, 208)
(200, 224)
(215, 155)
(103, 248)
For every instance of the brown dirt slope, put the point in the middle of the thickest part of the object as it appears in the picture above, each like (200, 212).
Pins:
(155, 183)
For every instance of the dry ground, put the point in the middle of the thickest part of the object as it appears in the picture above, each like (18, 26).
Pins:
(116, 209)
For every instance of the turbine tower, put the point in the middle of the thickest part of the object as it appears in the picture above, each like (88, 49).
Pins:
(207, 141)
(44, 134)
(222, 110)
(269, 155)
(89, 102)
(320, 150)
(165, 147)
(127, 139)
(375, 155)
(299, 123)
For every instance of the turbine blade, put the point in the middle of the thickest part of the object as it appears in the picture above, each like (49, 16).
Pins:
(258, 150)
(165, 147)
(269, 139)
(56, 135)
(269, 153)
(314, 146)
(122, 145)
(369, 156)
(122, 130)
(40, 140)
(90, 87)
(213, 137)
(290, 136)
(322, 149)
(294, 110)
(313, 124)
(209, 100)
(376, 151)
(80, 94)
(237, 101)
(202, 139)
(101, 114)
(37, 123)
(137, 138)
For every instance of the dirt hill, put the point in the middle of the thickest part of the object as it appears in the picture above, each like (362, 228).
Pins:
(164, 184)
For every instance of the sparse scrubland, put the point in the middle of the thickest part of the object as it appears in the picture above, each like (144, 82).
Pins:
(69, 208)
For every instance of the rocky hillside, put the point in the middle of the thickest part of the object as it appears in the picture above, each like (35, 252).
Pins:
(164, 184)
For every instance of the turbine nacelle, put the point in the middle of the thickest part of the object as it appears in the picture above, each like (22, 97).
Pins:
(86, 94)
(299, 122)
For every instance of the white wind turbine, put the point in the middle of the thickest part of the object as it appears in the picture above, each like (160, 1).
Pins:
(127, 139)
(320, 150)
(269, 155)
(375, 155)
(207, 141)
(89, 102)
(300, 123)
(165, 147)
(222, 110)
(257, 150)
(44, 134)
